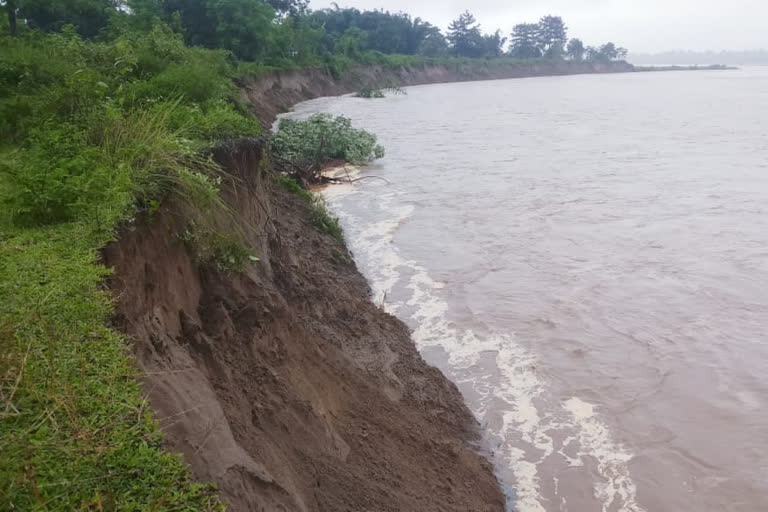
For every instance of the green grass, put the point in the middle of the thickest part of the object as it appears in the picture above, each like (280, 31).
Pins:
(318, 211)
(94, 133)
(75, 430)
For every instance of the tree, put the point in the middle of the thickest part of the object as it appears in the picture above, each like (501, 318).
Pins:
(10, 7)
(605, 53)
(575, 50)
(420, 31)
(352, 43)
(289, 7)
(464, 36)
(196, 19)
(525, 41)
(88, 16)
(386, 32)
(434, 44)
(493, 44)
(553, 34)
(297, 38)
(242, 26)
(608, 51)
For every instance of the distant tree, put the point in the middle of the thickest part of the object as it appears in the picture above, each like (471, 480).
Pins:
(88, 16)
(11, 8)
(608, 51)
(352, 43)
(575, 49)
(605, 53)
(525, 41)
(248, 28)
(553, 35)
(420, 31)
(289, 7)
(298, 38)
(386, 32)
(464, 36)
(243, 26)
(195, 18)
(493, 44)
(434, 45)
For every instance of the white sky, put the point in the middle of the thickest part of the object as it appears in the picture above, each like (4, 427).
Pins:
(640, 25)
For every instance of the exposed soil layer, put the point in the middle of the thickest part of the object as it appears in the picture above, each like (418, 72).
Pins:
(272, 93)
(286, 385)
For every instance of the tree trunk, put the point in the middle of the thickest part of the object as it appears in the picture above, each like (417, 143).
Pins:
(11, 6)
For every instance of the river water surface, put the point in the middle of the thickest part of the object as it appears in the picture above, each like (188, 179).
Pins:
(587, 258)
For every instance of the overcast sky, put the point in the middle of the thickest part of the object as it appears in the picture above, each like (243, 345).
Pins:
(640, 25)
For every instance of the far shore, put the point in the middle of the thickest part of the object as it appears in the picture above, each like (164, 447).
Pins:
(711, 67)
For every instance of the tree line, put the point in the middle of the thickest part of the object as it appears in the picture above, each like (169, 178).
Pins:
(284, 32)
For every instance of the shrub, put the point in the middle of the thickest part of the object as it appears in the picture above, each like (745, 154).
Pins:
(323, 220)
(378, 92)
(370, 92)
(323, 138)
(100, 127)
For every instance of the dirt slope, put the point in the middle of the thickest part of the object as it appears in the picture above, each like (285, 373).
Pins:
(272, 93)
(286, 386)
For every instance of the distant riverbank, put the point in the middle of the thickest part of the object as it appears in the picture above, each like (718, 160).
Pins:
(711, 67)
(270, 94)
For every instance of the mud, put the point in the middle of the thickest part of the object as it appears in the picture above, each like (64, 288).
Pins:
(286, 385)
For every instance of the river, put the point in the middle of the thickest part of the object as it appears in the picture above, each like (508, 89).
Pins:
(587, 258)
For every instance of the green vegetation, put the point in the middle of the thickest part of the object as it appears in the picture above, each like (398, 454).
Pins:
(75, 430)
(321, 217)
(369, 91)
(93, 133)
(311, 144)
(323, 138)
(107, 109)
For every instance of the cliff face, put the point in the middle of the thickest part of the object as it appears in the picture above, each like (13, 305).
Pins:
(285, 385)
(270, 94)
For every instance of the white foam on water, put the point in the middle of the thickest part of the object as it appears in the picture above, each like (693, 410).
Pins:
(596, 441)
(376, 239)
(513, 403)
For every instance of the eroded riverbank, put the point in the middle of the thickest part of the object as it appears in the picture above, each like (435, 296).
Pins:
(588, 270)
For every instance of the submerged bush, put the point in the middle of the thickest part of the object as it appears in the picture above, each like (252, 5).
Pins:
(323, 138)
(370, 91)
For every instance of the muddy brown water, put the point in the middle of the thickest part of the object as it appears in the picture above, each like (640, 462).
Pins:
(587, 257)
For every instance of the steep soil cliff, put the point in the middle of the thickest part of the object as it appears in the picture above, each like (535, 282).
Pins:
(285, 385)
(270, 94)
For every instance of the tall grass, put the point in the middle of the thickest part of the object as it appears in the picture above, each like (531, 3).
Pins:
(90, 134)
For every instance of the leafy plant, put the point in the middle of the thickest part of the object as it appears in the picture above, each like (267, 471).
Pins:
(323, 220)
(368, 91)
(314, 142)
(378, 92)
(226, 251)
